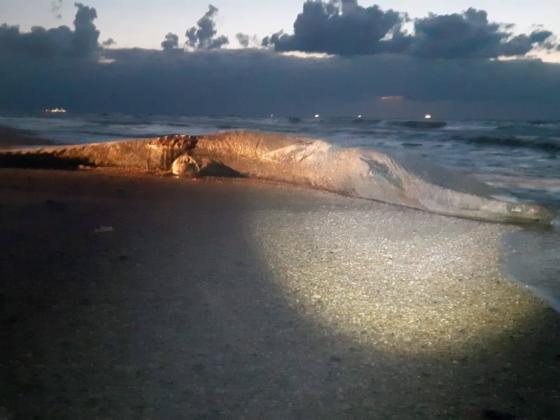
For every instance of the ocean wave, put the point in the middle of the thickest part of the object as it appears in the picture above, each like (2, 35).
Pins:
(530, 183)
(418, 124)
(544, 122)
(547, 145)
(118, 120)
(535, 125)
(405, 180)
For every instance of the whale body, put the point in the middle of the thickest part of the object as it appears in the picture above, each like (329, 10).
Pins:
(356, 172)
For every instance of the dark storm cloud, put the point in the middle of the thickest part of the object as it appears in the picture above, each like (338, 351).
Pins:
(203, 35)
(346, 28)
(522, 44)
(170, 42)
(540, 36)
(343, 28)
(85, 32)
(261, 82)
(470, 35)
(61, 41)
(45, 68)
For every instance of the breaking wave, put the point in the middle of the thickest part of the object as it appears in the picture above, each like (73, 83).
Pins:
(365, 173)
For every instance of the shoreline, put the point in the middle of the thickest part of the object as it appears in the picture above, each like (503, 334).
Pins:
(243, 298)
(531, 259)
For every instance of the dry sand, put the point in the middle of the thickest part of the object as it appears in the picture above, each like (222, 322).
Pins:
(239, 299)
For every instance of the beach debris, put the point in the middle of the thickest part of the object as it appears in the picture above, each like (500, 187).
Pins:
(104, 229)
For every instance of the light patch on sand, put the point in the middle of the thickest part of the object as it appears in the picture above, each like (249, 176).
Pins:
(394, 279)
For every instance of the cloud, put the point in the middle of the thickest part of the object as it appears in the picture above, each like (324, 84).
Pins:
(56, 7)
(48, 67)
(346, 28)
(243, 39)
(109, 42)
(248, 41)
(540, 36)
(343, 28)
(170, 42)
(262, 82)
(85, 33)
(470, 35)
(203, 35)
(61, 41)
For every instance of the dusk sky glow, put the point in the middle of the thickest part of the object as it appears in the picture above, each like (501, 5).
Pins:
(139, 23)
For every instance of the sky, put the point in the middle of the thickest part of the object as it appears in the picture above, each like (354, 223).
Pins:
(140, 23)
(339, 57)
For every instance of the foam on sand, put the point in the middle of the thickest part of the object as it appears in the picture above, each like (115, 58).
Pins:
(357, 172)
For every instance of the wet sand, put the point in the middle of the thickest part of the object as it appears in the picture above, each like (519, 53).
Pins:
(135, 297)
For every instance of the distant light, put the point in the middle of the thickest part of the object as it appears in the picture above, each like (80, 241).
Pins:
(271, 115)
(105, 60)
(360, 116)
(428, 116)
(391, 98)
(317, 115)
(55, 111)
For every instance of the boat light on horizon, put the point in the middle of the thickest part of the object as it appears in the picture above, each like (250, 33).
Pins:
(55, 111)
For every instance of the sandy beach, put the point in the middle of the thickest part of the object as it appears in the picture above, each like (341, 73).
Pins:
(263, 210)
(133, 296)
